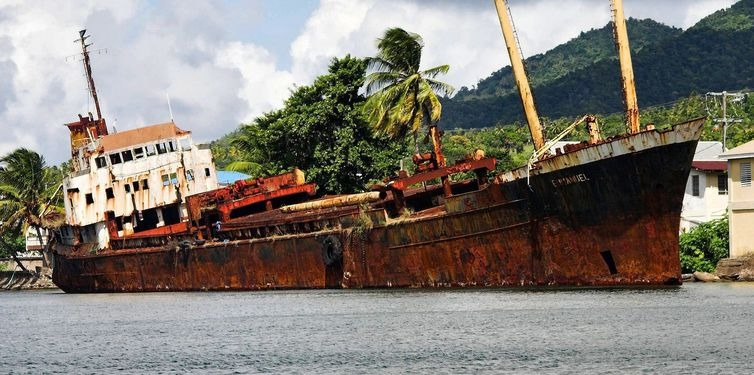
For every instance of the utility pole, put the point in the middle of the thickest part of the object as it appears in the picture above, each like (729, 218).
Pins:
(736, 97)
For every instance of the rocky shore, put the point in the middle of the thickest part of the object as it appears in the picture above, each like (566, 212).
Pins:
(728, 269)
(18, 280)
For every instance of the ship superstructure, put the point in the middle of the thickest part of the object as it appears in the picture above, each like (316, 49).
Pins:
(136, 180)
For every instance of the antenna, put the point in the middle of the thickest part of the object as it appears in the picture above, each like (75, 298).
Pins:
(88, 70)
(170, 109)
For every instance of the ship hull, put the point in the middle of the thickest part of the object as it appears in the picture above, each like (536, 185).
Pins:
(602, 216)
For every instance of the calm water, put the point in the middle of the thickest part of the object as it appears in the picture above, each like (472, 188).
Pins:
(705, 328)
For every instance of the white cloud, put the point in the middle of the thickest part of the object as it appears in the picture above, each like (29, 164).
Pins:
(264, 87)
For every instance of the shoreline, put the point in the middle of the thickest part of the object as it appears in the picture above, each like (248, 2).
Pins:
(20, 280)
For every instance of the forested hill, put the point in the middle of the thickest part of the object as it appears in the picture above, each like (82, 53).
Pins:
(582, 76)
(578, 53)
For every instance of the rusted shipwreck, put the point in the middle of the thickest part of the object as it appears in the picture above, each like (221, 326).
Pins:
(145, 214)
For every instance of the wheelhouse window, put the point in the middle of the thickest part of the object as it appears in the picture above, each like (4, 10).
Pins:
(100, 161)
(127, 156)
(161, 148)
(745, 174)
(138, 153)
(115, 158)
(695, 185)
(722, 184)
(150, 149)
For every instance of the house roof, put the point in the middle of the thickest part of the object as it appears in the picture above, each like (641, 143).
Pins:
(142, 135)
(708, 151)
(745, 150)
(719, 165)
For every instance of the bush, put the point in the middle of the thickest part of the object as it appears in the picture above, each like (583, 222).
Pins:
(704, 246)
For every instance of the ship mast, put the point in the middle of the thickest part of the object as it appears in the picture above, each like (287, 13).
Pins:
(535, 128)
(88, 70)
(626, 68)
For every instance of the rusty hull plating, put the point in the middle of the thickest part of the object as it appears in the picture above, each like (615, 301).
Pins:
(602, 214)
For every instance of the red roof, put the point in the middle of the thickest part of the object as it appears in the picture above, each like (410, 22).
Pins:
(710, 165)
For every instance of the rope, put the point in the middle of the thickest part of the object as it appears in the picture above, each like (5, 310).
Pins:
(546, 148)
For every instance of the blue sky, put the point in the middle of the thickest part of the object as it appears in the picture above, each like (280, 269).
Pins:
(225, 62)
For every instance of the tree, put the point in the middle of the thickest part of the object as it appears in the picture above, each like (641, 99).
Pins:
(703, 246)
(321, 129)
(28, 193)
(402, 98)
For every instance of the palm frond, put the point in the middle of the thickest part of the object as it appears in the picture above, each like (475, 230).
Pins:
(440, 87)
(248, 167)
(434, 72)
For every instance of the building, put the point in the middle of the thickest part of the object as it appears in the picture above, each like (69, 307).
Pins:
(706, 196)
(741, 199)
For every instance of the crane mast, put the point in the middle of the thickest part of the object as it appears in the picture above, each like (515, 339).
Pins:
(535, 128)
(626, 67)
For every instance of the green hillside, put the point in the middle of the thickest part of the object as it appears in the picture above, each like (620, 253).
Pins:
(578, 53)
(713, 55)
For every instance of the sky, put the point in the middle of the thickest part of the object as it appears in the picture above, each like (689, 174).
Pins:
(222, 63)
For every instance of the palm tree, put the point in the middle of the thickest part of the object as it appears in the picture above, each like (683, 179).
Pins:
(28, 189)
(402, 98)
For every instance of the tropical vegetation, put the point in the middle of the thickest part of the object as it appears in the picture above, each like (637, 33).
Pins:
(29, 198)
(322, 129)
(704, 245)
(402, 97)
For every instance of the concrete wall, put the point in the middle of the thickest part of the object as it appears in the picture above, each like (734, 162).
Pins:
(709, 205)
(741, 210)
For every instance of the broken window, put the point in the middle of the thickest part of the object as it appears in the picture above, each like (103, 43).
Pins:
(745, 174)
(136, 185)
(185, 144)
(89, 198)
(695, 185)
(172, 145)
(206, 172)
(109, 193)
(115, 158)
(101, 162)
(150, 150)
(127, 156)
(127, 187)
(161, 148)
(138, 153)
(144, 184)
